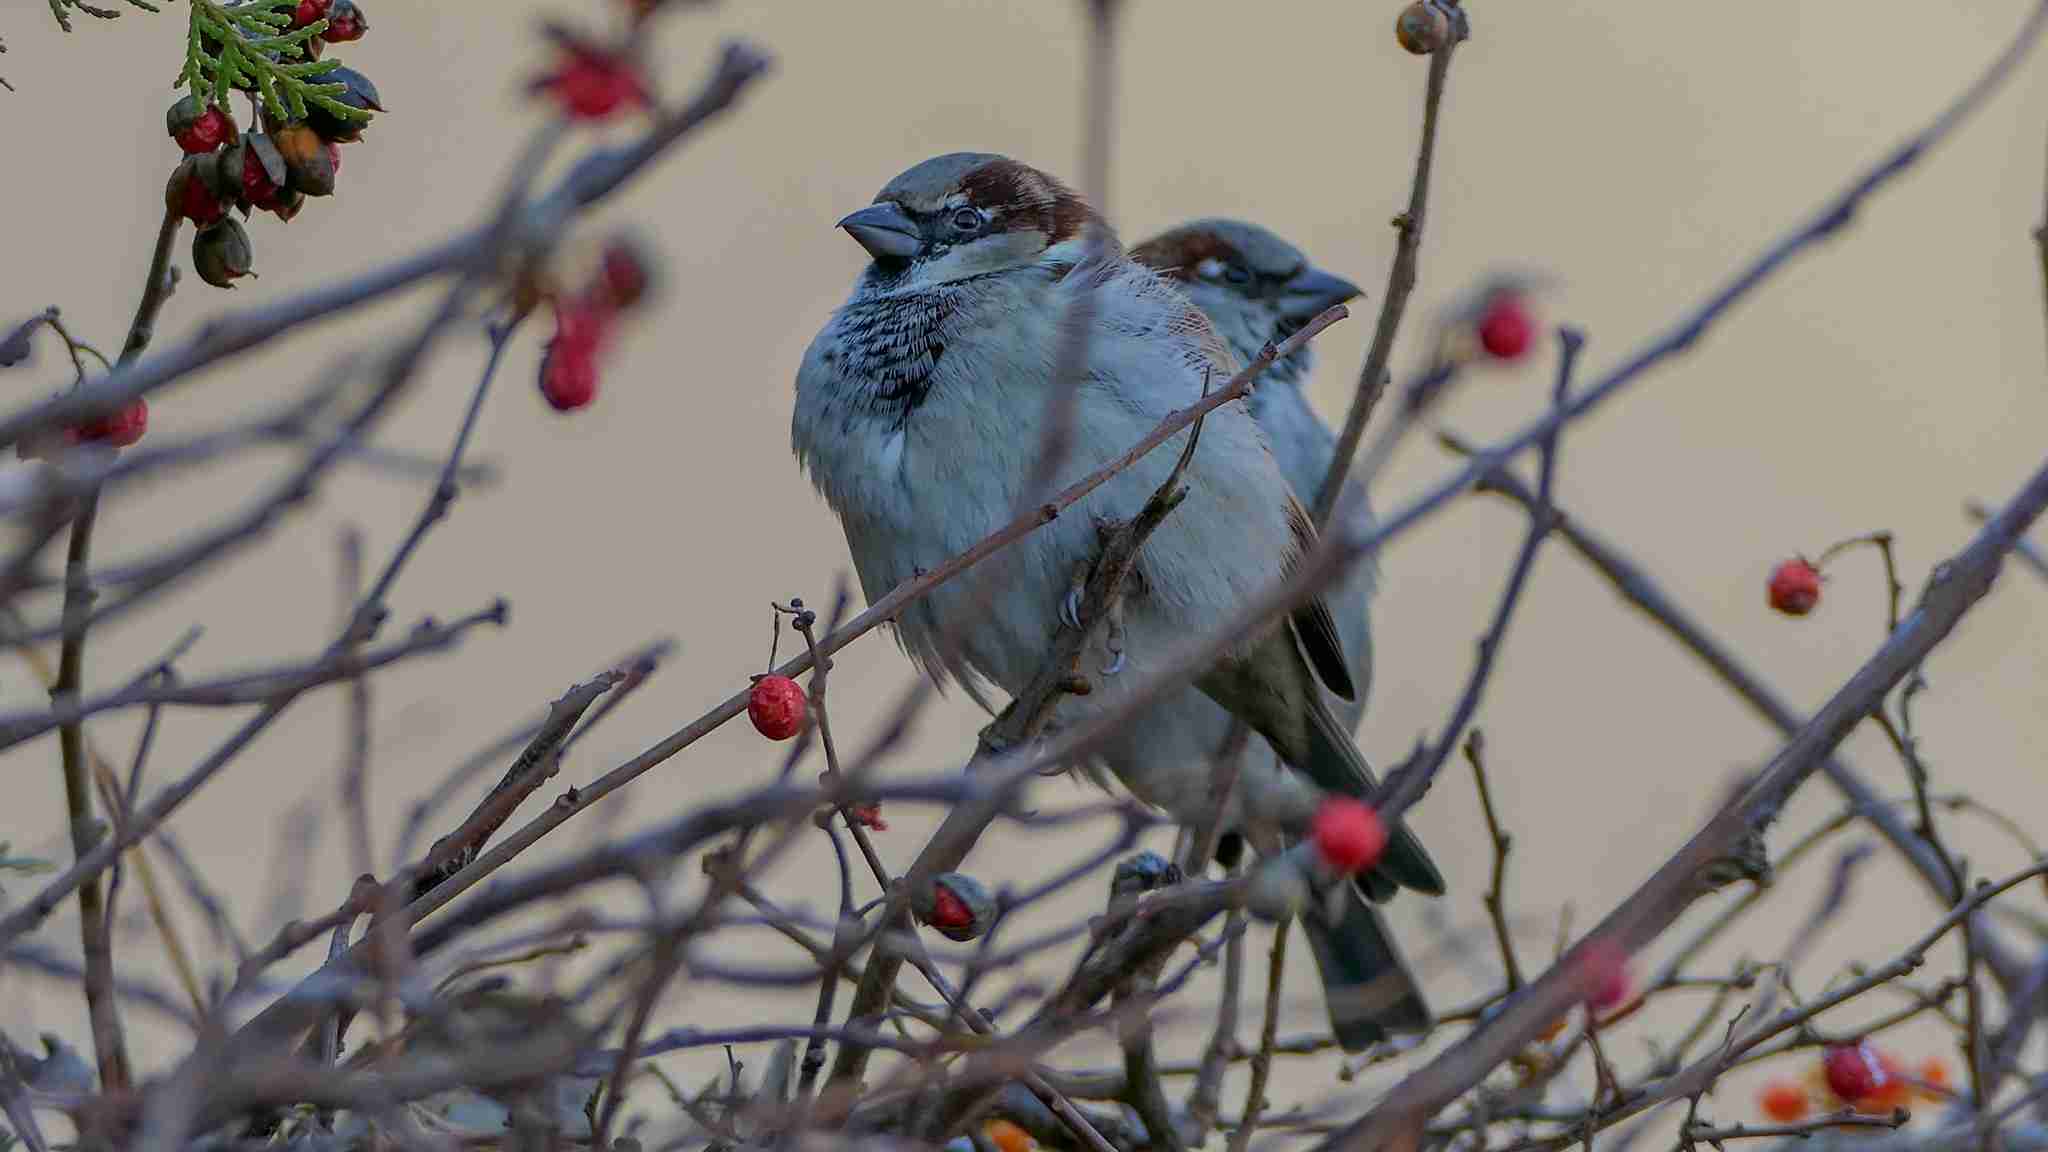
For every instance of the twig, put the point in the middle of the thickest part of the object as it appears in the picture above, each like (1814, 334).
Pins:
(1205, 1098)
(1635, 585)
(1846, 1118)
(2026, 550)
(94, 928)
(1415, 777)
(592, 180)
(806, 623)
(1955, 588)
(114, 797)
(1794, 1019)
(536, 764)
(239, 691)
(1262, 1060)
(1373, 375)
(1496, 905)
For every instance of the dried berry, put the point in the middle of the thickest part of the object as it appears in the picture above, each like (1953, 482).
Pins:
(262, 172)
(869, 816)
(190, 195)
(357, 93)
(1422, 27)
(1348, 835)
(1795, 587)
(199, 127)
(1853, 1071)
(288, 203)
(775, 704)
(310, 162)
(1784, 1101)
(1506, 329)
(119, 429)
(221, 253)
(345, 23)
(590, 84)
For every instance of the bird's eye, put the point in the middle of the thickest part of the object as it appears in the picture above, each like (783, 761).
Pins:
(966, 219)
(1237, 275)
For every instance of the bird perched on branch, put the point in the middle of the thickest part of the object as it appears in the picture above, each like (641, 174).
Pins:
(1256, 288)
(921, 413)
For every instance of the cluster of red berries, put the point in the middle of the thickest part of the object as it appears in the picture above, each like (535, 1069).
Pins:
(585, 323)
(1860, 1076)
(274, 170)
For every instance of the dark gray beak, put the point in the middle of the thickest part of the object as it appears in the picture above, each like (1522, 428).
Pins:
(885, 230)
(1308, 292)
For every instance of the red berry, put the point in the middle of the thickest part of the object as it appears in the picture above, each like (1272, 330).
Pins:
(569, 375)
(1348, 835)
(568, 379)
(590, 85)
(197, 203)
(1506, 329)
(776, 706)
(121, 429)
(210, 131)
(1795, 587)
(257, 186)
(1603, 973)
(869, 816)
(949, 910)
(345, 23)
(308, 11)
(1854, 1071)
(1784, 1101)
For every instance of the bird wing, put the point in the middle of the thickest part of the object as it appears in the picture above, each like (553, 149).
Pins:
(1313, 624)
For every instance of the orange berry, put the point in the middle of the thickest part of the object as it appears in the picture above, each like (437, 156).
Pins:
(1007, 1137)
(1785, 1101)
(1894, 1090)
(1934, 1079)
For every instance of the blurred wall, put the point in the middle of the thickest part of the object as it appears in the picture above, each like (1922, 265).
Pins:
(1638, 152)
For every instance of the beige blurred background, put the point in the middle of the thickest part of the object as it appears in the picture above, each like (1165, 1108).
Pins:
(1639, 152)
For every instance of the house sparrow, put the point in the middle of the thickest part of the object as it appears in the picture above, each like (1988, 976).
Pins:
(920, 410)
(1256, 288)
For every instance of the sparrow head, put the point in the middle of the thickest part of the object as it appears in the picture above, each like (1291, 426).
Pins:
(968, 214)
(1252, 285)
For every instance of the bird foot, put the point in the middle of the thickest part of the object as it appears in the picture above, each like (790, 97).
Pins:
(1114, 640)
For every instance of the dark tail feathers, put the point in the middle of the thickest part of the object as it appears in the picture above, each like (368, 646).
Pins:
(1366, 984)
(1336, 765)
